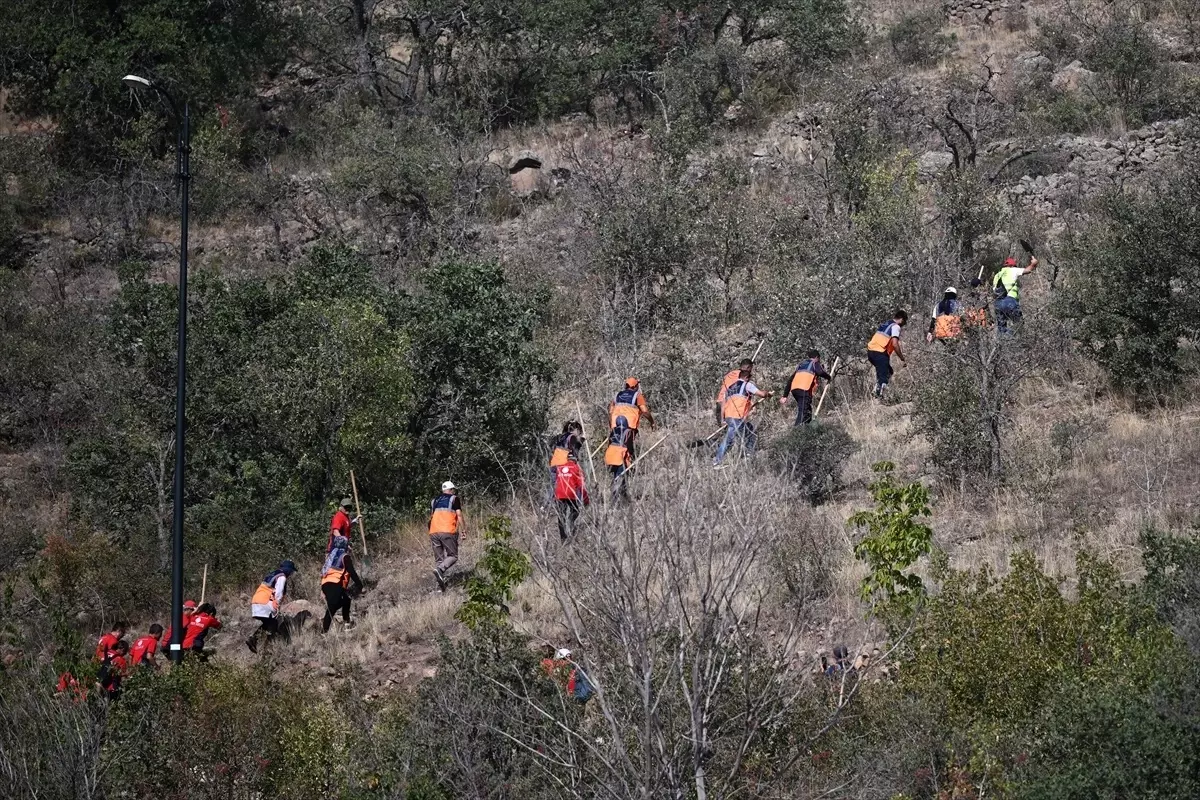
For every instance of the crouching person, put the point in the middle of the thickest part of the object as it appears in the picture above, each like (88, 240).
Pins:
(264, 605)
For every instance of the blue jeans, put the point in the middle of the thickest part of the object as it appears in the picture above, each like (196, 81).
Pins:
(734, 428)
(1008, 313)
(882, 363)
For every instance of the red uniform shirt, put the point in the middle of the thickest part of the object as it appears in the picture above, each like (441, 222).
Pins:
(107, 642)
(187, 620)
(143, 647)
(340, 526)
(197, 629)
(568, 483)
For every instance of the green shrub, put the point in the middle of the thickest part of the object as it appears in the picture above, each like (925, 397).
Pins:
(917, 39)
(813, 456)
(497, 574)
(1131, 288)
(895, 539)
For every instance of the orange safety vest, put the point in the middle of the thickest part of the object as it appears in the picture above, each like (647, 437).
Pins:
(975, 316)
(730, 379)
(628, 404)
(737, 400)
(881, 342)
(616, 455)
(805, 379)
(947, 326)
(336, 576)
(264, 595)
(445, 518)
(561, 454)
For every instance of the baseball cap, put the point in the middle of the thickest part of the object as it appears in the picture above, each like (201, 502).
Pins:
(561, 652)
(951, 290)
(448, 486)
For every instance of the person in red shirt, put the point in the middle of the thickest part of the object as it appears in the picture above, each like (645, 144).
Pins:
(68, 684)
(189, 611)
(144, 649)
(114, 669)
(341, 523)
(204, 621)
(570, 495)
(109, 641)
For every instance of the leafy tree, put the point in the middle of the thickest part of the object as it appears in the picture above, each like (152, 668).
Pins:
(895, 540)
(482, 396)
(67, 60)
(504, 568)
(1132, 279)
(813, 456)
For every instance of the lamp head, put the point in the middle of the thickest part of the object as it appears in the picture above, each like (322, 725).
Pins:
(136, 82)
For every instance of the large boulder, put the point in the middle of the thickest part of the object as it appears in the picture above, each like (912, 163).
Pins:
(1031, 69)
(1074, 77)
(526, 175)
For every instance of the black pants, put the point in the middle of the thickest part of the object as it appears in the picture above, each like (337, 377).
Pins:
(568, 514)
(804, 406)
(336, 599)
(883, 367)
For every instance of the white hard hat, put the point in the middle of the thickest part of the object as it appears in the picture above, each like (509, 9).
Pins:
(448, 486)
(561, 653)
(951, 290)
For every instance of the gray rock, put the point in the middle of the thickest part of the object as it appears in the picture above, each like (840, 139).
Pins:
(1073, 78)
(1031, 68)
(934, 162)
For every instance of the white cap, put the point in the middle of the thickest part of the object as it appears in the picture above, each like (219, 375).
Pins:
(448, 486)
(561, 653)
(951, 290)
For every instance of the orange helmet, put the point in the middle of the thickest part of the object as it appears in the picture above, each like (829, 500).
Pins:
(631, 383)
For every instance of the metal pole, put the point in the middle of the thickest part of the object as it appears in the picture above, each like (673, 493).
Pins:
(184, 152)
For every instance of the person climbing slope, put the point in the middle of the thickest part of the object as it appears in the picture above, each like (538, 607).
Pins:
(445, 528)
(336, 575)
(566, 447)
(267, 599)
(342, 523)
(109, 641)
(739, 401)
(730, 378)
(619, 458)
(803, 386)
(946, 322)
(570, 495)
(1007, 289)
(203, 621)
(631, 404)
(145, 648)
(885, 342)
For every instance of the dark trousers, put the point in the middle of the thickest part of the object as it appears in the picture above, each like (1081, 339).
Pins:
(1008, 314)
(804, 406)
(336, 599)
(568, 515)
(883, 368)
(620, 482)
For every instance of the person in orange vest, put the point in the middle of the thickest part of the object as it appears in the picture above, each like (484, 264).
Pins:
(571, 495)
(885, 342)
(804, 385)
(631, 404)
(946, 323)
(268, 597)
(619, 458)
(335, 581)
(566, 447)
(189, 611)
(730, 378)
(342, 523)
(204, 620)
(113, 669)
(445, 528)
(739, 400)
(145, 647)
(108, 641)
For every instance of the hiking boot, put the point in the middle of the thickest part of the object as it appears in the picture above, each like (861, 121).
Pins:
(441, 578)
(252, 643)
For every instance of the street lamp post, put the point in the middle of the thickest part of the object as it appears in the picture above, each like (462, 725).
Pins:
(183, 148)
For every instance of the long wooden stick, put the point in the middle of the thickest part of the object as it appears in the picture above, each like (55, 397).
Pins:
(362, 526)
(837, 360)
(979, 277)
(651, 450)
(204, 584)
(760, 346)
(583, 433)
